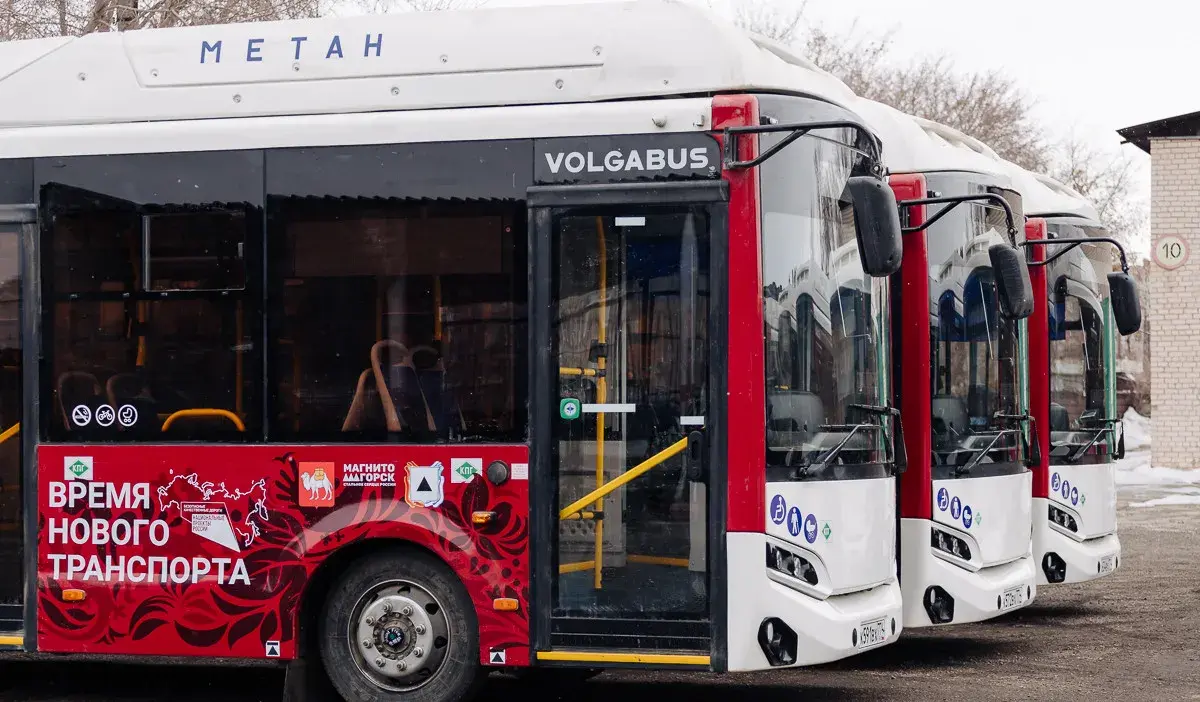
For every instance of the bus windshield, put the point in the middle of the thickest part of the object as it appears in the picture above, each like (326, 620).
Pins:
(824, 319)
(975, 369)
(1078, 295)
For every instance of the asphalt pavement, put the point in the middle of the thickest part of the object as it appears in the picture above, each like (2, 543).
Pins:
(1132, 635)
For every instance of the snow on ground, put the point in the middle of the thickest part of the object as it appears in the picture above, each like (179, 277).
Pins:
(1137, 476)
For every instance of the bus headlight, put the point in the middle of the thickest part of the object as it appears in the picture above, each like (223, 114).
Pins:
(1063, 519)
(951, 544)
(790, 564)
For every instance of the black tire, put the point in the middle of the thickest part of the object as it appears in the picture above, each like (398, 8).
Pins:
(457, 677)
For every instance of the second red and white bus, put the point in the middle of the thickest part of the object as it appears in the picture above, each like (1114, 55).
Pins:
(962, 298)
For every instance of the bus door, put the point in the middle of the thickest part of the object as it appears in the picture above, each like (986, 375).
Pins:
(16, 232)
(626, 503)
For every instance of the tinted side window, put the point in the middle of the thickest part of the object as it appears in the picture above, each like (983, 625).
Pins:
(152, 321)
(398, 296)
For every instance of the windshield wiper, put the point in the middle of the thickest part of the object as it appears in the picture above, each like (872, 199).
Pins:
(809, 467)
(1082, 450)
(963, 470)
(899, 458)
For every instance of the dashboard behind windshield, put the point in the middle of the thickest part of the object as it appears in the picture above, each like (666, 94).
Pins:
(825, 320)
(976, 367)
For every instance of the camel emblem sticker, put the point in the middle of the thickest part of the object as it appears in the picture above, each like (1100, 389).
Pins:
(424, 486)
(316, 484)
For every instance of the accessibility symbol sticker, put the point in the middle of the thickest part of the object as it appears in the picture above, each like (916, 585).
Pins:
(1066, 489)
(810, 528)
(1074, 495)
(1054, 481)
(826, 530)
(955, 508)
(778, 509)
(943, 499)
(127, 415)
(794, 521)
(569, 408)
(967, 516)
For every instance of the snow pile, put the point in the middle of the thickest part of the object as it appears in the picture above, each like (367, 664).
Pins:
(1136, 469)
(1137, 430)
(1190, 498)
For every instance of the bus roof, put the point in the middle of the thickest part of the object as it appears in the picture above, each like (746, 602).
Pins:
(409, 61)
(915, 145)
(1043, 196)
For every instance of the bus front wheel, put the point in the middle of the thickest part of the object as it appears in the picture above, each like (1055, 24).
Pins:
(399, 627)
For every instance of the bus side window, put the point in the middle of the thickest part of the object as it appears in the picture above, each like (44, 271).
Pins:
(153, 329)
(399, 320)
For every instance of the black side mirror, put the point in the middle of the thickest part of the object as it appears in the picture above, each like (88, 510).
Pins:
(880, 242)
(1127, 309)
(1120, 446)
(1012, 281)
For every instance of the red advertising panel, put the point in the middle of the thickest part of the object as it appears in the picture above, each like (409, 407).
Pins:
(209, 550)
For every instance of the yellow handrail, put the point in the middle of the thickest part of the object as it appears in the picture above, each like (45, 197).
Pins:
(204, 413)
(628, 476)
(601, 396)
(10, 432)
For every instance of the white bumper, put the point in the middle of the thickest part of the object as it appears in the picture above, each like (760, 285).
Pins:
(825, 629)
(977, 594)
(1082, 558)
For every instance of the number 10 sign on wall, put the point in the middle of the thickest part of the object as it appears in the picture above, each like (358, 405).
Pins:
(1170, 252)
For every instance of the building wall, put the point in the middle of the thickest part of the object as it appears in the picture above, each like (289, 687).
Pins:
(1175, 314)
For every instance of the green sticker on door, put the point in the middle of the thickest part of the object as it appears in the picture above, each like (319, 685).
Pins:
(569, 408)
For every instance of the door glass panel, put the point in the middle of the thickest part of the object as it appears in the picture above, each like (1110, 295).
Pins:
(631, 311)
(10, 417)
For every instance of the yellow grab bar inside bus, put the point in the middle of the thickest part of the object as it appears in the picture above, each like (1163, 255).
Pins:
(10, 432)
(628, 476)
(204, 413)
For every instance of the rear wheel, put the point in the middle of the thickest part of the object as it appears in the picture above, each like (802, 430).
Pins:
(399, 627)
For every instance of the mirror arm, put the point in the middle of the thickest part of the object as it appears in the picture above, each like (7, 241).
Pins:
(797, 130)
(955, 200)
(1076, 241)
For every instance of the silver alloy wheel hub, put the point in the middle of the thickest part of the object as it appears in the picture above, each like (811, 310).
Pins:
(399, 635)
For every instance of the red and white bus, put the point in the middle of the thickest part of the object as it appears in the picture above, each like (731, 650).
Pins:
(1081, 306)
(960, 305)
(432, 344)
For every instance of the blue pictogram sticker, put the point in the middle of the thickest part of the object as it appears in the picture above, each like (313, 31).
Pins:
(810, 528)
(1054, 480)
(1066, 489)
(967, 516)
(1074, 495)
(943, 499)
(778, 509)
(955, 507)
(794, 520)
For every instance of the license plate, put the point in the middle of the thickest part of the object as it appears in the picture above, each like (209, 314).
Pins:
(1013, 597)
(872, 633)
(1106, 564)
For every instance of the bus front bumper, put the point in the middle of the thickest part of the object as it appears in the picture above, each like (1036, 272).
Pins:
(766, 617)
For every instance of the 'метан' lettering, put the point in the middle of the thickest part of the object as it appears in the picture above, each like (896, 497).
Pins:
(257, 50)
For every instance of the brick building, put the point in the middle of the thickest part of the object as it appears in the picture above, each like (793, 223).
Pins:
(1174, 146)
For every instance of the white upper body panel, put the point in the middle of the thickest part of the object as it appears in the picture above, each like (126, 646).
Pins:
(915, 145)
(409, 61)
